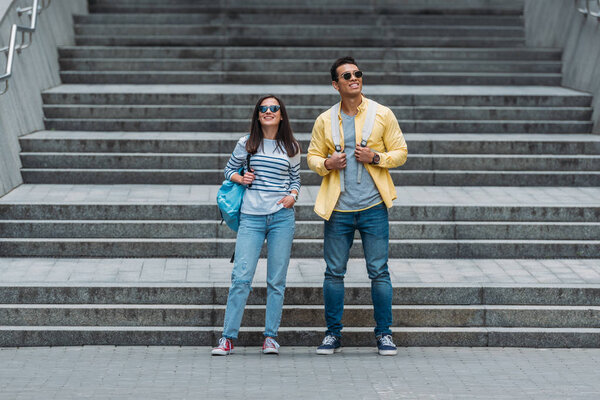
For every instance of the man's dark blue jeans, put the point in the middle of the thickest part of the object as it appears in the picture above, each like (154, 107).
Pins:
(373, 226)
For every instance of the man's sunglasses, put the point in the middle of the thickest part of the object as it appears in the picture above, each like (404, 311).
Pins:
(347, 75)
(273, 108)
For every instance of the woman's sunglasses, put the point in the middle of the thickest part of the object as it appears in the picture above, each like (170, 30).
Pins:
(347, 75)
(273, 108)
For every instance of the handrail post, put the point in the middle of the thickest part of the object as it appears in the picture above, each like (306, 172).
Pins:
(11, 50)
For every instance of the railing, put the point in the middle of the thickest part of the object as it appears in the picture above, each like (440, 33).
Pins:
(584, 7)
(12, 46)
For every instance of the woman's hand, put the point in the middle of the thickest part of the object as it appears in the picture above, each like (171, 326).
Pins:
(288, 201)
(245, 179)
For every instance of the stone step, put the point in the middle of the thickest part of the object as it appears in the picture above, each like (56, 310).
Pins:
(312, 112)
(13, 336)
(304, 230)
(307, 16)
(156, 211)
(420, 78)
(399, 177)
(305, 68)
(166, 161)
(306, 125)
(305, 31)
(477, 7)
(198, 144)
(244, 40)
(356, 294)
(315, 95)
(303, 248)
(362, 54)
(298, 315)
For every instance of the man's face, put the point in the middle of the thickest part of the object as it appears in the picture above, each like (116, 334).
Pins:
(351, 86)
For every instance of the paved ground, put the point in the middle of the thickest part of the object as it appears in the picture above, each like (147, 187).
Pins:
(191, 373)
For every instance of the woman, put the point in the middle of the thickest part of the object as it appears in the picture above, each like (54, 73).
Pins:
(273, 183)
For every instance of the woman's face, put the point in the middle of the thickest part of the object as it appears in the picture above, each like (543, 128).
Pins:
(269, 118)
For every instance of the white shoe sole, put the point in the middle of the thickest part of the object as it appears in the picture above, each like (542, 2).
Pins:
(271, 351)
(327, 352)
(387, 352)
(216, 352)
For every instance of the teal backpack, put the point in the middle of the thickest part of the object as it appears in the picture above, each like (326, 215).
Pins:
(229, 200)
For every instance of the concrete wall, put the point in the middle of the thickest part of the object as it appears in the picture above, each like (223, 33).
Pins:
(557, 23)
(34, 70)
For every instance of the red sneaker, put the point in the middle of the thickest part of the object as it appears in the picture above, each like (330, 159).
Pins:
(224, 348)
(270, 346)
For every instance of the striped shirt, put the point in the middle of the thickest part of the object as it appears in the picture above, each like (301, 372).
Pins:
(276, 175)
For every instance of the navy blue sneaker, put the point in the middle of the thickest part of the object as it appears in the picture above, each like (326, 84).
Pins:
(331, 344)
(386, 346)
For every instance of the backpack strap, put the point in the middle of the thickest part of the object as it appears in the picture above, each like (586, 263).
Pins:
(335, 134)
(367, 130)
(247, 168)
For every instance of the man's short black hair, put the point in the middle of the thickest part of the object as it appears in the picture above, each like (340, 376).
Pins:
(337, 63)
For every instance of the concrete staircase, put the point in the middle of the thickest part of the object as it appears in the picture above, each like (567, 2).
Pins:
(156, 94)
(526, 137)
(453, 315)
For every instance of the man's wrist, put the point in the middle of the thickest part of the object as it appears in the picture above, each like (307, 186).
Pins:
(325, 164)
(375, 159)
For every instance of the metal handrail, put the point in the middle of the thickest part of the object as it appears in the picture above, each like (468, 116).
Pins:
(12, 46)
(587, 10)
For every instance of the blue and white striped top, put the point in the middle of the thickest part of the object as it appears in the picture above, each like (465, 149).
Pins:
(276, 175)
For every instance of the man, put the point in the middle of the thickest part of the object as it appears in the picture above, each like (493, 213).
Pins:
(350, 199)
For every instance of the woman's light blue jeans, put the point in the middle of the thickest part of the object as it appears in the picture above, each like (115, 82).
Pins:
(278, 230)
(373, 226)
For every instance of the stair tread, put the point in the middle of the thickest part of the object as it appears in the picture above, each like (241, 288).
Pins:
(347, 330)
(201, 155)
(234, 49)
(298, 307)
(298, 241)
(449, 90)
(210, 136)
(374, 73)
(305, 222)
(414, 196)
(404, 171)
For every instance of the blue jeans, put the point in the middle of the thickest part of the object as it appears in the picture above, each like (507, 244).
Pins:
(373, 226)
(278, 229)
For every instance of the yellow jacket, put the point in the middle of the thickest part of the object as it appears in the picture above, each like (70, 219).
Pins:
(386, 140)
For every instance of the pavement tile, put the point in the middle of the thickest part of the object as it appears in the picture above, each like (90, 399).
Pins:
(103, 372)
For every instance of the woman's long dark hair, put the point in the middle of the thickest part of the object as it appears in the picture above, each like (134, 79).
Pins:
(285, 136)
